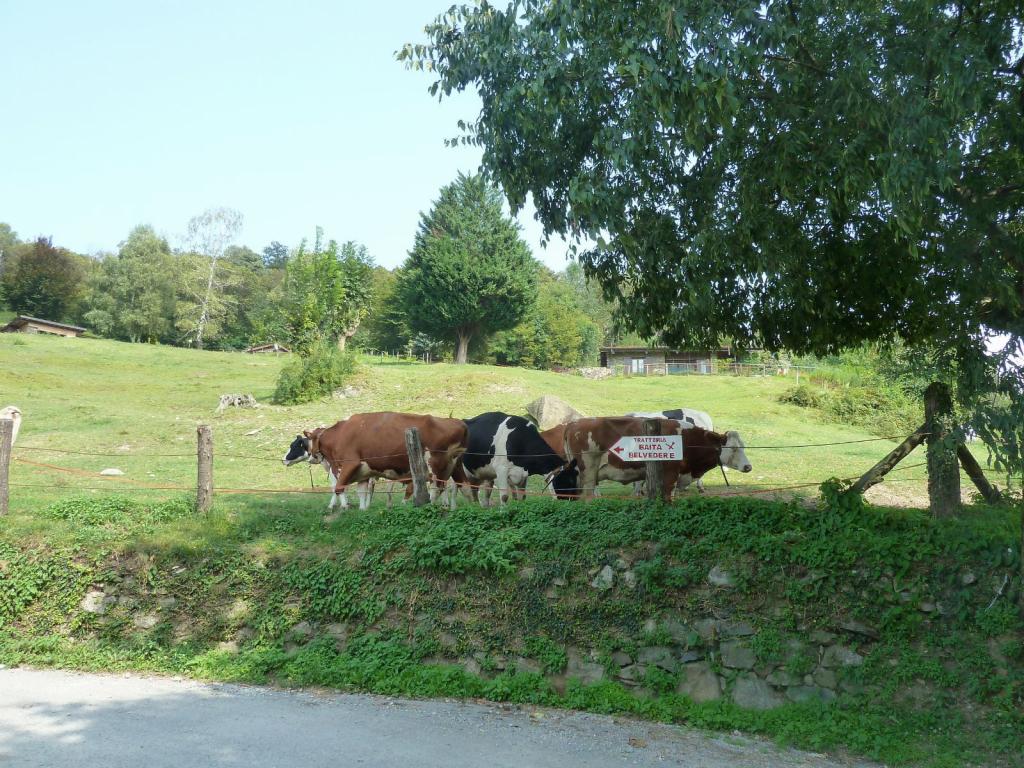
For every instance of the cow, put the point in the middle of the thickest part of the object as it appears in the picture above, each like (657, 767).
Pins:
(298, 452)
(587, 444)
(687, 417)
(561, 485)
(503, 452)
(372, 445)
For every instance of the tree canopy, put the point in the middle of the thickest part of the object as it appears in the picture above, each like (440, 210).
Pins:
(469, 272)
(792, 175)
(133, 292)
(42, 280)
(326, 292)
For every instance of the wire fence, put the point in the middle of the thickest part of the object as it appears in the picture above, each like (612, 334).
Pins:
(110, 481)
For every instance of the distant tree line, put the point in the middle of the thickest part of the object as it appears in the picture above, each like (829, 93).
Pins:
(470, 290)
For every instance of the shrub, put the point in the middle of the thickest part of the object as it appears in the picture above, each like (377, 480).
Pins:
(883, 409)
(317, 374)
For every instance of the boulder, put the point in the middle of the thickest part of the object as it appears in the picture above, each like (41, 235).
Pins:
(782, 678)
(736, 629)
(720, 577)
(96, 602)
(587, 672)
(146, 621)
(840, 656)
(804, 693)
(549, 411)
(698, 682)
(679, 632)
(707, 629)
(858, 628)
(622, 659)
(736, 654)
(659, 656)
(825, 678)
(604, 579)
(633, 674)
(629, 579)
(753, 693)
(524, 665)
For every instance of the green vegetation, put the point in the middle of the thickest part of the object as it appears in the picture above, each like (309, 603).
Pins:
(469, 273)
(141, 402)
(414, 601)
(755, 172)
(318, 373)
(491, 603)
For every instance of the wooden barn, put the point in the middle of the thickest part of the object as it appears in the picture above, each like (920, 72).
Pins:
(26, 324)
(640, 360)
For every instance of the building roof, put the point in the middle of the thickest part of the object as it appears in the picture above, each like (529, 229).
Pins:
(272, 346)
(23, 320)
(656, 349)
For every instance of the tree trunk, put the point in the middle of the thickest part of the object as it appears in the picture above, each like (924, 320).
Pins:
(205, 306)
(943, 468)
(463, 348)
(342, 340)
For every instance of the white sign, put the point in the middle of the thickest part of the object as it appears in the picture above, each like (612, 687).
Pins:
(649, 448)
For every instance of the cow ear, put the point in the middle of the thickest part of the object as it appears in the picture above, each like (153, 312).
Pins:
(306, 433)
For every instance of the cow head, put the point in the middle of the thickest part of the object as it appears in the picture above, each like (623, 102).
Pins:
(299, 450)
(733, 454)
(566, 483)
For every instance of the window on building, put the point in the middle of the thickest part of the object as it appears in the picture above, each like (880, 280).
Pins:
(638, 365)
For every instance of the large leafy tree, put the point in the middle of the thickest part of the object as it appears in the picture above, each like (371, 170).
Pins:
(326, 292)
(795, 174)
(555, 331)
(469, 272)
(205, 302)
(133, 292)
(42, 280)
(385, 328)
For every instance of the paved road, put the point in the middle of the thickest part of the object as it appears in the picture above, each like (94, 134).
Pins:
(57, 719)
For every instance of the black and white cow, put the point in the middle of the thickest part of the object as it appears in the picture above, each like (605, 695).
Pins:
(688, 417)
(503, 452)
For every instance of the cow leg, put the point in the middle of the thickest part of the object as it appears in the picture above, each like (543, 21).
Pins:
(501, 481)
(342, 478)
(486, 487)
(364, 491)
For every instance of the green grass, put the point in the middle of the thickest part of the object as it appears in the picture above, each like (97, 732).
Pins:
(141, 402)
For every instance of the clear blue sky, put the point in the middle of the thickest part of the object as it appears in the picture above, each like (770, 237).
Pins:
(118, 113)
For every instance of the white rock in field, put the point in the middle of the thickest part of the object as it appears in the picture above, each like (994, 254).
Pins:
(720, 577)
(112, 472)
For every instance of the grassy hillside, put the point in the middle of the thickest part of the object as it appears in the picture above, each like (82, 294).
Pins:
(142, 403)
(830, 625)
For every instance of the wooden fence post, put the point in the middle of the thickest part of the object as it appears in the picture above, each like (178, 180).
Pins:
(655, 470)
(417, 468)
(943, 469)
(977, 474)
(895, 456)
(6, 442)
(204, 454)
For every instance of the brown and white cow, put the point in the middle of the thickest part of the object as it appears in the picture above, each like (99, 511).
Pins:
(587, 443)
(372, 445)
